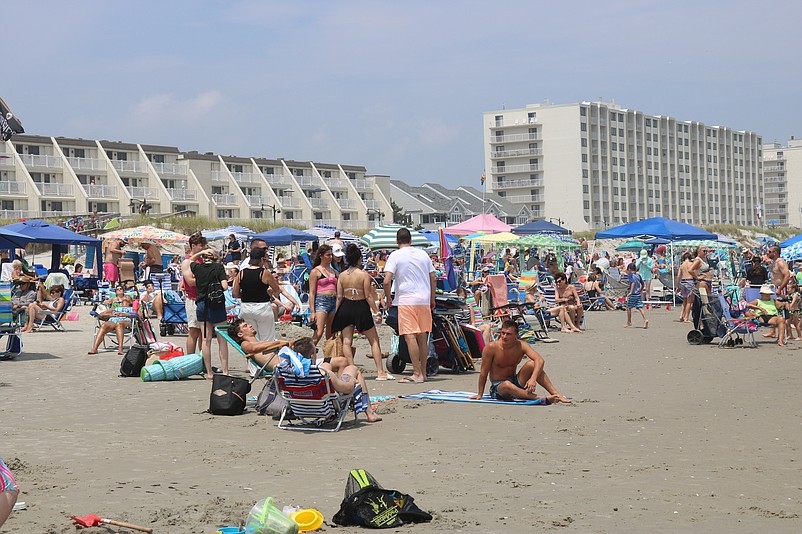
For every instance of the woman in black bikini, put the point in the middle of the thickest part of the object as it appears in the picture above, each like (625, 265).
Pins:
(355, 301)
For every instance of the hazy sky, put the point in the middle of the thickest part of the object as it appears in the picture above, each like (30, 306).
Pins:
(398, 86)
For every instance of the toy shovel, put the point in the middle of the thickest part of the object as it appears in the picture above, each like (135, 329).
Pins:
(95, 521)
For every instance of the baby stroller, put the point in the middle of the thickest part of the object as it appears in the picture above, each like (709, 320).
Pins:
(399, 353)
(708, 318)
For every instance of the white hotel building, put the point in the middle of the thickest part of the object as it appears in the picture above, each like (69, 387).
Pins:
(60, 177)
(594, 165)
(782, 174)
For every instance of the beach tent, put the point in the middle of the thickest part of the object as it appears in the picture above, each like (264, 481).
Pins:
(283, 236)
(485, 222)
(326, 233)
(240, 232)
(11, 240)
(42, 232)
(540, 227)
(383, 238)
(657, 227)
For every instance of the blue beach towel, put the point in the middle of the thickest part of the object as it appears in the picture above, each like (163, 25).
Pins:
(462, 396)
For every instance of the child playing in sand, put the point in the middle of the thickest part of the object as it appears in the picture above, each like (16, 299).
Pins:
(634, 299)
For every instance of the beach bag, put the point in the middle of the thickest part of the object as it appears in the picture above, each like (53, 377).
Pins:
(270, 402)
(134, 360)
(333, 348)
(367, 504)
(215, 296)
(229, 395)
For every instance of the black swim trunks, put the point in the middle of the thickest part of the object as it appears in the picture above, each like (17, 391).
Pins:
(494, 388)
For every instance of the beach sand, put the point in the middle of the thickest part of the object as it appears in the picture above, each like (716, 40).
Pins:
(661, 437)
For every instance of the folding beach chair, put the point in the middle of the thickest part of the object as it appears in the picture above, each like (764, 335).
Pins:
(111, 337)
(736, 327)
(314, 402)
(501, 308)
(253, 369)
(8, 327)
(53, 319)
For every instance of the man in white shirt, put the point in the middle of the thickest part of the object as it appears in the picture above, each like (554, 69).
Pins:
(415, 284)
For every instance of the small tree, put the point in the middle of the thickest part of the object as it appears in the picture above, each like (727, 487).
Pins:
(399, 217)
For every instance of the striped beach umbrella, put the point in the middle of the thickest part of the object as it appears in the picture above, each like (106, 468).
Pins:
(151, 234)
(383, 237)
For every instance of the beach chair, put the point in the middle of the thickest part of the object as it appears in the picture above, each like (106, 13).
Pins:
(253, 369)
(736, 327)
(501, 308)
(129, 333)
(314, 402)
(8, 327)
(53, 319)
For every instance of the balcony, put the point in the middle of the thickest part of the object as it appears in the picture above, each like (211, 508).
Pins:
(100, 191)
(372, 204)
(87, 164)
(55, 214)
(6, 160)
(278, 179)
(224, 199)
(19, 214)
(335, 183)
(774, 179)
(306, 181)
(514, 137)
(290, 202)
(12, 188)
(219, 177)
(773, 168)
(35, 160)
(318, 203)
(514, 184)
(515, 153)
(170, 168)
(258, 200)
(142, 192)
(130, 167)
(54, 190)
(507, 169)
(246, 178)
(362, 185)
(509, 123)
(347, 203)
(182, 194)
(524, 199)
(774, 190)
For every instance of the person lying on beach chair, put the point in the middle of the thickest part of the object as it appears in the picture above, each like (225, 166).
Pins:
(766, 308)
(263, 353)
(118, 319)
(499, 362)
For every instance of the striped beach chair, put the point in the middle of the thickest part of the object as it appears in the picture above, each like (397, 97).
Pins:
(313, 401)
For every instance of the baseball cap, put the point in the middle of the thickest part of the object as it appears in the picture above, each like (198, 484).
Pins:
(337, 250)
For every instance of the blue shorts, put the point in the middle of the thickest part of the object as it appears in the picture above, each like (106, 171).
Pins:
(634, 301)
(325, 303)
(494, 388)
(210, 314)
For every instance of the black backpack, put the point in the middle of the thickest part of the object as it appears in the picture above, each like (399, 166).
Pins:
(215, 296)
(134, 360)
(229, 395)
(367, 504)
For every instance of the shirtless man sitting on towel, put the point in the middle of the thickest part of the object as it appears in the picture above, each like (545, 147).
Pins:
(500, 360)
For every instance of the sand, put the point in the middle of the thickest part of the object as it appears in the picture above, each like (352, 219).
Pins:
(661, 437)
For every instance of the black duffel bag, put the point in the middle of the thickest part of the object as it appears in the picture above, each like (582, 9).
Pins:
(229, 395)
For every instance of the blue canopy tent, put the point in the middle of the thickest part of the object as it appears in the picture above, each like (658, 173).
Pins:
(10, 240)
(283, 236)
(240, 232)
(434, 237)
(540, 227)
(42, 232)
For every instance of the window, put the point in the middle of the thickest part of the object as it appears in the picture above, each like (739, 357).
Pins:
(584, 142)
(583, 127)
(583, 112)
(584, 158)
(156, 158)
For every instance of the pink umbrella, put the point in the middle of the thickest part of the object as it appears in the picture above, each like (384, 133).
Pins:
(485, 222)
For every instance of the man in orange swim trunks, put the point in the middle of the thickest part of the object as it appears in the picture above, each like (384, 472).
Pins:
(413, 273)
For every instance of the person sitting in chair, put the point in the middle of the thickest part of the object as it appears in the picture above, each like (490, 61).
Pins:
(261, 352)
(49, 303)
(500, 361)
(766, 308)
(118, 319)
(23, 296)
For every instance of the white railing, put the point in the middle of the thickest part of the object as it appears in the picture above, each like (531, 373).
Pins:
(774, 190)
(770, 168)
(514, 137)
(518, 199)
(318, 202)
(170, 168)
(335, 183)
(138, 167)
(87, 164)
(142, 192)
(774, 179)
(372, 204)
(774, 158)
(278, 179)
(51, 213)
(514, 153)
(182, 194)
(220, 177)
(514, 168)
(306, 180)
(290, 202)
(512, 184)
(12, 187)
(258, 200)
(100, 191)
(54, 190)
(247, 178)
(19, 214)
(6, 160)
(225, 199)
(347, 203)
(362, 185)
(35, 160)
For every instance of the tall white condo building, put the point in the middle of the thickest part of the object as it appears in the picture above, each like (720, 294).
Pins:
(594, 165)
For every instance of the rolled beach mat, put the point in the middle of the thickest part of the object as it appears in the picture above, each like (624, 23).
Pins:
(183, 366)
(153, 373)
